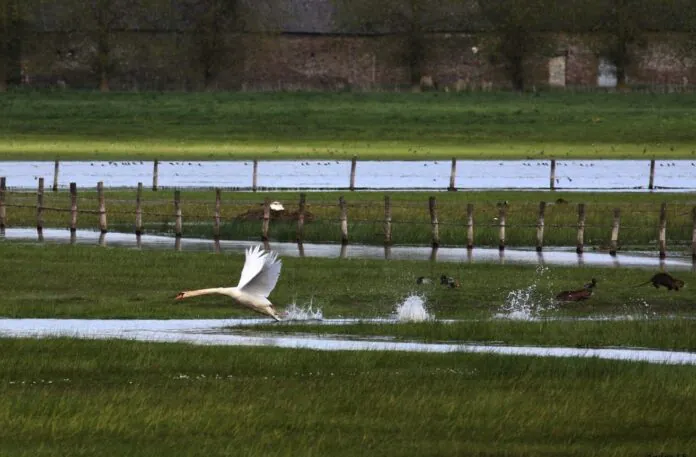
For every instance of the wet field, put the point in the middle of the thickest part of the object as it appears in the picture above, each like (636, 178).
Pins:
(550, 256)
(578, 175)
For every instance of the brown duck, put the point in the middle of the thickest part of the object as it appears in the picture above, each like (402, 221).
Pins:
(578, 295)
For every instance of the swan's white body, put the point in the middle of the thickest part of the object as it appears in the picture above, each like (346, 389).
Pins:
(259, 276)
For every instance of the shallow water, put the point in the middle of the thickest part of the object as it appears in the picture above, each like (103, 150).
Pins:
(551, 256)
(606, 175)
(215, 332)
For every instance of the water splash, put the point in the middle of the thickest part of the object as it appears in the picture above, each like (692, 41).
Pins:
(639, 309)
(302, 313)
(529, 303)
(412, 309)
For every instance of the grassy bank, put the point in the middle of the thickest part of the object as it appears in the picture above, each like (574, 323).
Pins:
(411, 222)
(65, 397)
(86, 125)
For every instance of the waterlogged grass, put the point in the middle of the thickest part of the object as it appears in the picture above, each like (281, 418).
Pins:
(86, 125)
(640, 329)
(411, 223)
(91, 281)
(65, 397)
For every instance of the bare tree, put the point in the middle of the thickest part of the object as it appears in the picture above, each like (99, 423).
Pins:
(403, 17)
(11, 32)
(622, 27)
(211, 21)
(517, 27)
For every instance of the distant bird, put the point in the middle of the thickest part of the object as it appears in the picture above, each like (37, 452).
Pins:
(449, 282)
(423, 280)
(578, 295)
(259, 276)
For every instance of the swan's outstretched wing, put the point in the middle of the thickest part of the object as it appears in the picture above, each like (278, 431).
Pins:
(260, 273)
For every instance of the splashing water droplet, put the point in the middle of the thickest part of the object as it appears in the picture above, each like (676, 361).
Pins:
(302, 313)
(528, 303)
(412, 309)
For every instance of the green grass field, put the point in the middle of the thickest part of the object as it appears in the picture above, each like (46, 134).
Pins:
(65, 397)
(109, 398)
(83, 397)
(91, 281)
(88, 125)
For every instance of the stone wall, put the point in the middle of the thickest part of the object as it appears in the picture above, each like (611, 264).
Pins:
(168, 61)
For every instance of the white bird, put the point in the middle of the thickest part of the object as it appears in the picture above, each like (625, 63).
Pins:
(259, 277)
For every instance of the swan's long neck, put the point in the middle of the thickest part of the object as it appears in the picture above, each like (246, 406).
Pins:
(214, 290)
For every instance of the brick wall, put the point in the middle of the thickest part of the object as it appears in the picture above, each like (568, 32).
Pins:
(167, 61)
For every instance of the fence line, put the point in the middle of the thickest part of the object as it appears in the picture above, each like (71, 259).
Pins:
(342, 218)
(553, 181)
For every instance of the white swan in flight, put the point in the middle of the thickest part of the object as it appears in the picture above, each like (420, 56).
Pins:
(259, 277)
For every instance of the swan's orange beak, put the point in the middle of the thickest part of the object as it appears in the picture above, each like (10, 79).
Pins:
(180, 296)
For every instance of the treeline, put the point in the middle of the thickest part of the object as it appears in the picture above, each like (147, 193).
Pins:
(514, 30)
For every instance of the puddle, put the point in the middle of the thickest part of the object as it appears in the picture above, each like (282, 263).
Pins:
(551, 256)
(212, 332)
(605, 175)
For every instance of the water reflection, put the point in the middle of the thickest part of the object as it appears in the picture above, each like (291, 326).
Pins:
(550, 256)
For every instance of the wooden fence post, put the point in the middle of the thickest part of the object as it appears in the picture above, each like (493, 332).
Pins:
(155, 174)
(3, 213)
(177, 214)
(651, 180)
(662, 235)
(216, 222)
(301, 218)
(56, 165)
(344, 220)
(469, 225)
(73, 207)
(353, 165)
(453, 175)
(255, 176)
(540, 227)
(387, 220)
(39, 206)
(502, 215)
(581, 229)
(139, 210)
(102, 207)
(693, 235)
(615, 232)
(266, 219)
(552, 175)
(432, 204)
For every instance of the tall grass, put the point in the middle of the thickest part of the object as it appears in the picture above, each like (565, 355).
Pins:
(85, 125)
(113, 398)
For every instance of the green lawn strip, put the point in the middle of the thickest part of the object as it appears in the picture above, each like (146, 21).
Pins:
(65, 397)
(87, 126)
(411, 223)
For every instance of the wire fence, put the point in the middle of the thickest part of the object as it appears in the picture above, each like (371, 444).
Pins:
(366, 219)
